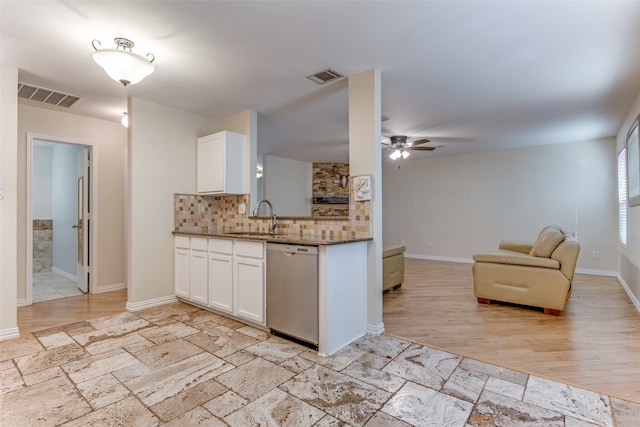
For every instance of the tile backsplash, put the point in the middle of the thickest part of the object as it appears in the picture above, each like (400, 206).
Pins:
(196, 213)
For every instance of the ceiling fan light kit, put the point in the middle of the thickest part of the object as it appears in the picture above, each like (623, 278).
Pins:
(121, 64)
(400, 147)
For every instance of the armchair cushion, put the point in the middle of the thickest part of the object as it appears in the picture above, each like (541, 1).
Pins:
(547, 242)
(515, 258)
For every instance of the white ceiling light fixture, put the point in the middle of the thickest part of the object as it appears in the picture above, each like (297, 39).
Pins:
(125, 120)
(397, 153)
(121, 64)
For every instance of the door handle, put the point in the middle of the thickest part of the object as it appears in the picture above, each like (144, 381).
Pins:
(78, 226)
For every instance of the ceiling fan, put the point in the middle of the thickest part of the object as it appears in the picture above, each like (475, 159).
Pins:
(399, 145)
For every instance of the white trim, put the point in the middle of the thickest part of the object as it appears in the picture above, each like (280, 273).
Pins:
(93, 228)
(63, 273)
(108, 288)
(7, 334)
(375, 329)
(440, 258)
(22, 302)
(632, 297)
(135, 306)
(591, 272)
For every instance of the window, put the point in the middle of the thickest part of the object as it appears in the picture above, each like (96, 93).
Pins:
(622, 197)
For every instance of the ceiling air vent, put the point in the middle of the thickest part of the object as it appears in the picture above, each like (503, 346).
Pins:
(325, 76)
(48, 96)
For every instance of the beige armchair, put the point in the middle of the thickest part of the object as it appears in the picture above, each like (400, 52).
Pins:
(536, 274)
(392, 267)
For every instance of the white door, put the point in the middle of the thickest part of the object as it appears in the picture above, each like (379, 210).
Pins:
(82, 225)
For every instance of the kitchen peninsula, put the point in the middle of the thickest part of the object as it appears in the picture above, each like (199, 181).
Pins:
(220, 264)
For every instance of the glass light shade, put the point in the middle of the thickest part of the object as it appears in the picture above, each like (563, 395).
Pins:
(123, 66)
(125, 121)
(405, 154)
(395, 155)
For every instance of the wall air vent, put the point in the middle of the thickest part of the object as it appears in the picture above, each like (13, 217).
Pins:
(47, 96)
(325, 76)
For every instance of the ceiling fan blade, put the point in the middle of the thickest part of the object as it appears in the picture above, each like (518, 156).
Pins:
(421, 148)
(419, 142)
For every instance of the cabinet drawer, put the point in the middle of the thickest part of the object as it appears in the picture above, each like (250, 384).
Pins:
(221, 246)
(199, 243)
(182, 242)
(249, 249)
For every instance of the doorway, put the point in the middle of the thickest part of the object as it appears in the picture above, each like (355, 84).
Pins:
(59, 228)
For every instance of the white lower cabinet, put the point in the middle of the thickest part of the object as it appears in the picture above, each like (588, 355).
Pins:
(182, 266)
(198, 277)
(249, 279)
(221, 282)
(225, 274)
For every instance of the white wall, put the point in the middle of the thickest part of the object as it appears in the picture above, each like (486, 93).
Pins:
(455, 206)
(41, 184)
(110, 139)
(9, 202)
(161, 162)
(65, 207)
(629, 263)
(287, 185)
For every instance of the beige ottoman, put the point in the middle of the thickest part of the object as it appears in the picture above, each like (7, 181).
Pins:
(392, 267)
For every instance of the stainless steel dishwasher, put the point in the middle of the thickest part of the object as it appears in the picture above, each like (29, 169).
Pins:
(292, 292)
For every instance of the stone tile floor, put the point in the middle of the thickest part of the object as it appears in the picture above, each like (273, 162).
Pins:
(51, 285)
(177, 365)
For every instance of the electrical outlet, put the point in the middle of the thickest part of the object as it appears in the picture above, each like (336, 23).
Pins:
(596, 254)
(242, 208)
(429, 245)
(402, 242)
(203, 209)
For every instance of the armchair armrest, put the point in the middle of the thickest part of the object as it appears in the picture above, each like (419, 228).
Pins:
(516, 245)
(516, 259)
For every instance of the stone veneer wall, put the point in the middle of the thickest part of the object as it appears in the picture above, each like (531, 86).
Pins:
(221, 213)
(42, 245)
(327, 184)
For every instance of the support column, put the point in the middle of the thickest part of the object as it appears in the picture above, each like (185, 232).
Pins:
(365, 158)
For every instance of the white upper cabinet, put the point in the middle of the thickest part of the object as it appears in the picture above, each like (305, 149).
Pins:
(221, 161)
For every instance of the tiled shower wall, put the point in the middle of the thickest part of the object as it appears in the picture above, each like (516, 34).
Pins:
(42, 245)
(194, 213)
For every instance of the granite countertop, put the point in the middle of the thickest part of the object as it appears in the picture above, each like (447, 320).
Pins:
(278, 237)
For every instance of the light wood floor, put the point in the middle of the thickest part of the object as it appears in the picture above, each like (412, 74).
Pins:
(46, 314)
(593, 344)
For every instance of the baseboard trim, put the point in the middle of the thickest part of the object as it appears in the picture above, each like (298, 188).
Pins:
(64, 274)
(108, 288)
(632, 297)
(439, 258)
(592, 272)
(135, 306)
(375, 329)
(22, 302)
(7, 334)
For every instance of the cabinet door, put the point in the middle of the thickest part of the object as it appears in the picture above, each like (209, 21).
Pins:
(249, 285)
(198, 285)
(211, 164)
(181, 273)
(221, 282)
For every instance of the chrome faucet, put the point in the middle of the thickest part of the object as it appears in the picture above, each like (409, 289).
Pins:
(274, 219)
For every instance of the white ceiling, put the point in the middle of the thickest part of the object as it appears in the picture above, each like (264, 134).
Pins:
(471, 76)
